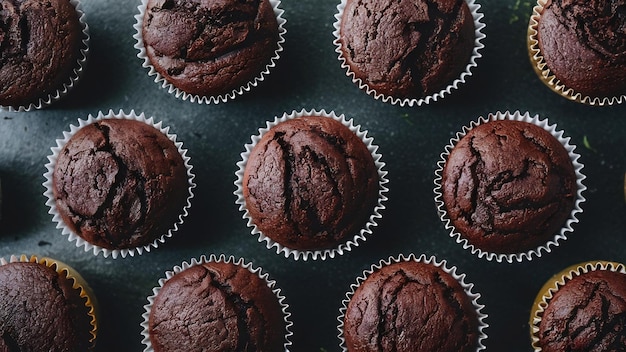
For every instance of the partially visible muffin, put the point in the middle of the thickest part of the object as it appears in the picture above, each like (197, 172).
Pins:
(42, 309)
(120, 183)
(216, 306)
(40, 47)
(582, 44)
(584, 309)
(209, 48)
(406, 49)
(310, 183)
(411, 306)
(508, 186)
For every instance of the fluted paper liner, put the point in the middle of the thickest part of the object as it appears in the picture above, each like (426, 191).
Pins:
(69, 82)
(557, 281)
(567, 226)
(351, 242)
(452, 271)
(51, 202)
(547, 76)
(216, 259)
(478, 46)
(224, 97)
(78, 283)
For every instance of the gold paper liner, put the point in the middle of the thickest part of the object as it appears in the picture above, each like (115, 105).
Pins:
(558, 280)
(78, 283)
(547, 76)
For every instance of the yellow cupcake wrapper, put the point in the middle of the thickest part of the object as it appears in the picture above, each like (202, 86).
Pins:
(545, 74)
(78, 283)
(557, 281)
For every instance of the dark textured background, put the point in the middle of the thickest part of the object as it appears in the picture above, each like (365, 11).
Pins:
(309, 76)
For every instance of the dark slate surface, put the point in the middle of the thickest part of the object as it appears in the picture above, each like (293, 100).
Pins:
(309, 76)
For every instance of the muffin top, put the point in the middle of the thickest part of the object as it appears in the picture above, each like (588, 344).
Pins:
(508, 186)
(40, 311)
(216, 307)
(40, 43)
(583, 43)
(209, 48)
(407, 49)
(410, 306)
(588, 313)
(120, 183)
(310, 183)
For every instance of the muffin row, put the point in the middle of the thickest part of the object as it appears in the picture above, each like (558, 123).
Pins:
(312, 184)
(409, 55)
(222, 303)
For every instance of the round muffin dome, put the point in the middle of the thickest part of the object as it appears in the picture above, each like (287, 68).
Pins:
(42, 308)
(412, 305)
(209, 48)
(310, 183)
(120, 183)
(41, 45)
(406, 49)
(508, 186)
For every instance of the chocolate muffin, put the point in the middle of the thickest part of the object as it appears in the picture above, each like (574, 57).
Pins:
(508, 186)
(587, 313)
(583, 44)
(216, 306)
(406, 49)
(411, 306)
(310, 183)
(209, 48)
(120, 183)
(41, 311)
(40, 46)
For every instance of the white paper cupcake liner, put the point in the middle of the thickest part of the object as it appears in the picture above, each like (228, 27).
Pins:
(78, 283)
(350, 243)
(51, 202)
(546, 293)
(178, 93)
(478, 46)
(547, 76)
(567, 227)
(71, 81)
(215, 259)
(467, 287)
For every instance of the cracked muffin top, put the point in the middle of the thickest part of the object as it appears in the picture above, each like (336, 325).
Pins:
(216, 306)
(583, 43)
(588, 313)
(407, 49)
(410, 306)
(40, 43)
(120, 183)
(40, 311)
(310, 183)
(208, 48)
(508, 186)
